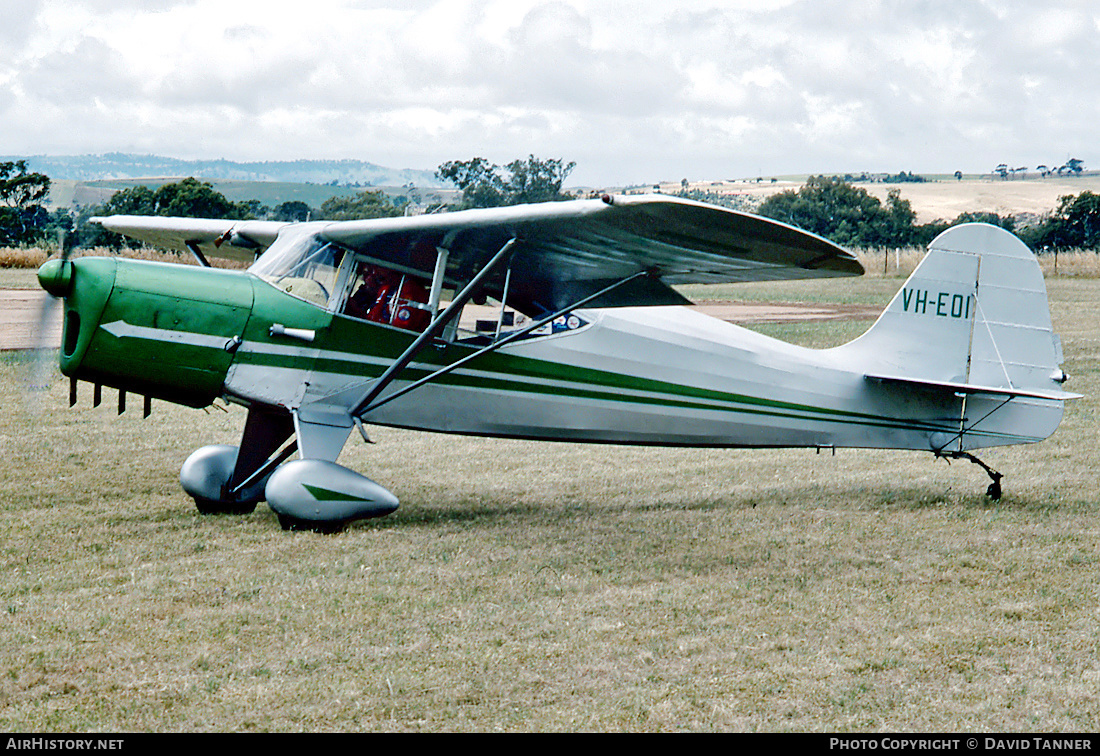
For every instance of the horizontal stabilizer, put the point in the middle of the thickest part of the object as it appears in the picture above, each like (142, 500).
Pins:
(970, 388)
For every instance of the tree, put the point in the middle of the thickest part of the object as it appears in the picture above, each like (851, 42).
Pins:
(22, 218)
(900, 230)
(191, 198)
(188, 198)
(252, 209)
(60, 225)
(535, 180)
(849, 216)
(479, 180)
(486, 184)
(366, 204)
(904, 178)
(20, 189)
(1076, 223)
(1007, 222)
(293, 211)
(137, 200)
(842, 213)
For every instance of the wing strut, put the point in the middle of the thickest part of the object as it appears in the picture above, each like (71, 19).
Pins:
(437, 325)
(194, 247)
(497, 344)
(441, 254)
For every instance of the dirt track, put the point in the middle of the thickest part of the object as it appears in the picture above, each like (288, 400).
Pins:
(21, 310)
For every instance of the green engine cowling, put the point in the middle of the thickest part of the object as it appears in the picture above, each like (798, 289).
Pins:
(162, 330)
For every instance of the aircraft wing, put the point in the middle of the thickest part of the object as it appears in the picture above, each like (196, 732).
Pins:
(565, 251)
(228, 239)
(568, 250)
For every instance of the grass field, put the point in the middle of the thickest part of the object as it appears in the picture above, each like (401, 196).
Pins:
(556, 587)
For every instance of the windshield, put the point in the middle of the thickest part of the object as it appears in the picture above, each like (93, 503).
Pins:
(302, 265)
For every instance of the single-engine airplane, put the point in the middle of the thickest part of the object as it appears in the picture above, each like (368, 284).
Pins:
(338, 325)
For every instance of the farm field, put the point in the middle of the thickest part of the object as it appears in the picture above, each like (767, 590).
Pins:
(555, 587)
(942, 198)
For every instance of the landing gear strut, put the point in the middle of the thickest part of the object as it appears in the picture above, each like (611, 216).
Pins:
(994, 489)
(229, 480)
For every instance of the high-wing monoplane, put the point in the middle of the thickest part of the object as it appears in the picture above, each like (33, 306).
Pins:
(340, 325)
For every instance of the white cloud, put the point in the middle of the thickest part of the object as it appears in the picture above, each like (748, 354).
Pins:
(627, 89)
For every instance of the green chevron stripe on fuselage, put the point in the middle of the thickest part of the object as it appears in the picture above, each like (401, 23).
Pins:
(525, 375)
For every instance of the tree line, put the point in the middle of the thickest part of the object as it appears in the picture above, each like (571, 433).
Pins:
(828, 206)
(486, 184)
(191, 198)
(24, 221)
(1072, 167)
(23, 218)
(849, 216)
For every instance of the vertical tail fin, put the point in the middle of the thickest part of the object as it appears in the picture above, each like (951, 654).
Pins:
(974, 313)
(973, 322)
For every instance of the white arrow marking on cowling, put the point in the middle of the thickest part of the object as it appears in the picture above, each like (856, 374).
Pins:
(121, 329)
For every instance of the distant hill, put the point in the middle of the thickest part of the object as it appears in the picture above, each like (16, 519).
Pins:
(115, 165)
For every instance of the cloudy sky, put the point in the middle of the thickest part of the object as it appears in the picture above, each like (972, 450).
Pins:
(632, 90)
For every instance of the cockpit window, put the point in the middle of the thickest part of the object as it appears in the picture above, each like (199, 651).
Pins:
(309, 268)
(484, 324)
(387, 296)
(302, 265)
